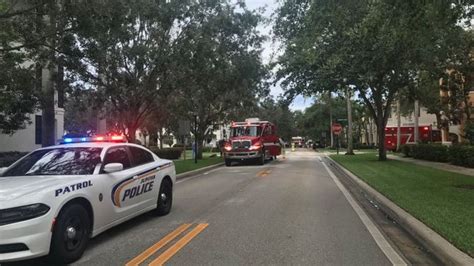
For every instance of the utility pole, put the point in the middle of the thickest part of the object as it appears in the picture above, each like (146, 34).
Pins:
(350, 149)
(417, 114)
(399, 130)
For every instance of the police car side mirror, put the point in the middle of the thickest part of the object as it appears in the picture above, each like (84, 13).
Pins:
(2, 170)
(113, 167)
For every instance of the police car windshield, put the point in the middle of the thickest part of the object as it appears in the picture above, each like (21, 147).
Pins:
(251, 131)
(57, 161)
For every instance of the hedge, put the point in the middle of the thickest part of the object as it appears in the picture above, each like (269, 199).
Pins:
(407, 149)
(210, 149)
(179, 145)
(167, 153)
(431, 152)
(7, 158)
(462, 155)
(363, 146)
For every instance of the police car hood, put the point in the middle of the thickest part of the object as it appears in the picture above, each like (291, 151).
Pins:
(13, 187)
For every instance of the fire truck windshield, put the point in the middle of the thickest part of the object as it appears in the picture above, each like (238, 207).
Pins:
(251, 131)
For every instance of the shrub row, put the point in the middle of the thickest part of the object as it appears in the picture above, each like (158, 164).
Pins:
(431, 152)
(7, 158)
(167, 153)
(210, 149)
(462, 155)
(179, 145)
(363, 146)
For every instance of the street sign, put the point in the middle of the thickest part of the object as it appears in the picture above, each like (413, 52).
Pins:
(336, 128)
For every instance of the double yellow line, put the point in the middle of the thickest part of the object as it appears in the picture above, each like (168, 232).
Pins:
(171, 251)
(264, 172)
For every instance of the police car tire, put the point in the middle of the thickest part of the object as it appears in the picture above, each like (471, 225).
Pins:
(164, 207)
(228, 162)
(79, 216)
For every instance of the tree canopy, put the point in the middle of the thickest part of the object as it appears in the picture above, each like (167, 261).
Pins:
(377, 46)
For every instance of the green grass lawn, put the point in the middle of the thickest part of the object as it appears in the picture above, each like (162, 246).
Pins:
(189, 165)
(431, 195)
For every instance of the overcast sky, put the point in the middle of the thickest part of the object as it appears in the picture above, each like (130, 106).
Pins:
(271, 49)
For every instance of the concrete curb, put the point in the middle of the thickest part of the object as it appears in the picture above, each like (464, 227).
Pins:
(439, 246)
(198, 171)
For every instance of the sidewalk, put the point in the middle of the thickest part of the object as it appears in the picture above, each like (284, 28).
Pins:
(442, 166)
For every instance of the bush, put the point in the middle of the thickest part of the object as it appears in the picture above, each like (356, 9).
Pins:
(180, 145)
(210, 149)
(7, 158)
(363, 146)
(168, 153)
(462, 155)
(431, 152)
(407, 149)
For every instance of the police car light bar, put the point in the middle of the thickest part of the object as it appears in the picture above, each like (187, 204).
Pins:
(93, 139)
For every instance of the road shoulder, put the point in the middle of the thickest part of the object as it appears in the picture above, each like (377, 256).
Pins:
(393, 256)
(439, 246)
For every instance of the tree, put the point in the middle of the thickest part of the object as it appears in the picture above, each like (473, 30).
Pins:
(375, 45)
(81, 114)
(33, 35)
(19, 89)
(279, 113)
(220, 70)
(125, 52)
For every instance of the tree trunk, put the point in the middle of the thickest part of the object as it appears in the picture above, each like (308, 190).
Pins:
(367, 133)
(200, 141)
(48, 132)
(350, 150)
(330, 120)
(399, 131)
(153, 138)
(160, 136)
(381, 138)
(417, 114)
(131, 134)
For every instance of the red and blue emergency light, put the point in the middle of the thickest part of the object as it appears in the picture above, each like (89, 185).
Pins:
(115, 138)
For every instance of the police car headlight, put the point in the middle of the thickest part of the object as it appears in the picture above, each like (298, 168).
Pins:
(18, 214)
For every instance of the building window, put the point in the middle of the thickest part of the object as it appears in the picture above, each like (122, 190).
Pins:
(38, 129)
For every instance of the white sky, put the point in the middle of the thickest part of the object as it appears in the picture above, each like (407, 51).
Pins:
(271, 50)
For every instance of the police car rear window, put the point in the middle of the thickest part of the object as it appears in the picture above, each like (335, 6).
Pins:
(57, 161)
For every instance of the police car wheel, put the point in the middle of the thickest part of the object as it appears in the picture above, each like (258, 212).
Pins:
(228, 162)
(165, 198)
(70, 235)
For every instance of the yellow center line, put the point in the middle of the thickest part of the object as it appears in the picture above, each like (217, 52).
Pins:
(170, 252)
(151, 250)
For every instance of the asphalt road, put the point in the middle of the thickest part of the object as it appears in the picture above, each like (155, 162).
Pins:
(288, 211)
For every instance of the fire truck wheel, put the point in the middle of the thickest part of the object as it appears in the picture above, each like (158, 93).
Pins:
(228, 162)
(261, 160)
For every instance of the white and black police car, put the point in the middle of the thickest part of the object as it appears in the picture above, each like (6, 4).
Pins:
(56, 198)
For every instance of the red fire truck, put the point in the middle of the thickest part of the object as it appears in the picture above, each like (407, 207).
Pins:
(252, 140)
(426, 134)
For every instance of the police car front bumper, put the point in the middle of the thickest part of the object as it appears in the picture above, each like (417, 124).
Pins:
(242, 155)
(26, 239)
